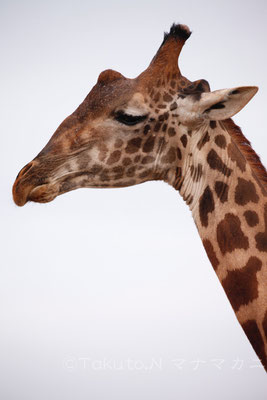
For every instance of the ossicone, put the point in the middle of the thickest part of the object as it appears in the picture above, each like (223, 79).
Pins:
(166, 59)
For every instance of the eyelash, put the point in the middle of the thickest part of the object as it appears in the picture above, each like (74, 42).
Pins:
(128, 119)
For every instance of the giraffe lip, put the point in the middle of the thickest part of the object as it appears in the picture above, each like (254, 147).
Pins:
(44, 193)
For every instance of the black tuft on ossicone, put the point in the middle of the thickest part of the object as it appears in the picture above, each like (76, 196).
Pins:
(177, 31)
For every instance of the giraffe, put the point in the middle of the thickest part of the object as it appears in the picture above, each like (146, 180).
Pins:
(161, 126)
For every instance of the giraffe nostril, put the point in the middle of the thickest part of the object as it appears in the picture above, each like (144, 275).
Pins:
(25, 169)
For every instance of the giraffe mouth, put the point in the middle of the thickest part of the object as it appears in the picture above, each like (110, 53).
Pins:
(43, 193)
(24, 192)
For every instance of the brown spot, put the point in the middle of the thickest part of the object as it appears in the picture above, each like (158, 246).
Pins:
(166, 115)
(220, 141)
(178, 178)
(206, 206)
(221, 190)
(205, 139)
(230, 235)
(241, 285)
(261, 237)
(184, 140)
(137, 158)
(196, 172)
(146, 129)
(164, 128)
(149, 145)
(130, 172)
(171, 131)
(173, 106)
(118, 172)
(189, 200)
(126, 161)
(167, 97)
(83, 162)
(215, 162)
(67, 186)
(211, 253)
(102, 155)
(118, 143)
(236, 156)
(179, 154)
(104, 176)
(264, 324)
(245, 192)
(251, 218)
(148, 159)
(253, 333)
(157, 126)
(213, 124)
(133, 145)
(114, 157)
(170, 156)
(144, 174)
(95, 169)
(173, 84)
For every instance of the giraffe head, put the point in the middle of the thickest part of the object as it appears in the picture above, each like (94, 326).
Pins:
(128, 131)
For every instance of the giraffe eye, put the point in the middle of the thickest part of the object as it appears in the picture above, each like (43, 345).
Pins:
(128, 119)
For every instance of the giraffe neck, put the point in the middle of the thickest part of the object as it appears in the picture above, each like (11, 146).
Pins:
(229, 206)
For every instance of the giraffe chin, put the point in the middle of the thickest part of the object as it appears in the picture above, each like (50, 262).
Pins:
(43, 193)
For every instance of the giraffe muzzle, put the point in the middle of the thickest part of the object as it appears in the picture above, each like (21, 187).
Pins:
(30, 186)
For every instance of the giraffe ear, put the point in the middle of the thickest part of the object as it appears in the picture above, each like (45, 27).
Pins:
(224, 103)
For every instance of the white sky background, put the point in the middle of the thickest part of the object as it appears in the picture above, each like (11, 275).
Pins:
(116, 274)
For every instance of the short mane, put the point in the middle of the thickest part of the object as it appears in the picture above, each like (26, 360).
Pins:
(250, 155)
